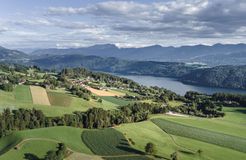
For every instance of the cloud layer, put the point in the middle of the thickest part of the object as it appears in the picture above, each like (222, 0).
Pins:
(133, 23)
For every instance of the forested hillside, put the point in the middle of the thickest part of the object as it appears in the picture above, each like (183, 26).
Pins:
(221, 76)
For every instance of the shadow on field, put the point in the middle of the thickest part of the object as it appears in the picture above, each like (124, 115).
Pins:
(129, 150)
(241, 111)
(124, 146)
(186, 152)
(30, 156)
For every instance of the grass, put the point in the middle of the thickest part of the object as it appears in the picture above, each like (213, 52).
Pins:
(175, 103)
(209, 151)
(22, 93)
(128, 158)
(29, 150)
(59, 99)
(126, 92)
(144, 132)
(232, 124)
(224, 140)
(235, 115)
(117, 101)
(107, 142)
(21, 98)
(68, 135)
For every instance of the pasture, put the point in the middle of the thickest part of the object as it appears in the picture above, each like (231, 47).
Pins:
(29, 150)
(144, 132)
(22, 94)
(39, 95)
(224, 140)
(41, 137)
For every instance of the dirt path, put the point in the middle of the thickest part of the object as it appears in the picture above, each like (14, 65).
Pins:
(176, 114)
(39, 95)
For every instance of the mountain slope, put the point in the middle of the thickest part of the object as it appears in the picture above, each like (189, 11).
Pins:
(11, 55)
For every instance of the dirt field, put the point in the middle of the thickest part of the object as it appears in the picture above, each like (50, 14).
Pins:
(103, 92)
(39, 95)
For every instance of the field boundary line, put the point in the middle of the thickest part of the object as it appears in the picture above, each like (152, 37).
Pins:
(174, 140)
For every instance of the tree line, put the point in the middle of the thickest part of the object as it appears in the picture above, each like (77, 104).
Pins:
(22, 119)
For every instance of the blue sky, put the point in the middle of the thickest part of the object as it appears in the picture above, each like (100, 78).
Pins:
(78, 23)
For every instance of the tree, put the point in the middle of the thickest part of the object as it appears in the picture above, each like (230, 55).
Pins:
(100, 100)
(7, 87)
(174, 156)
(199, 151)
(150, 148)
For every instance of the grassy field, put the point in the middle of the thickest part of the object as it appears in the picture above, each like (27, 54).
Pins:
(209, 151)
(107, 142)
(22, 94)
(212, 137)
(29, 150)
(51, 136)
(21, 98)
(144, 132)
(59, 99)
(235, 115)
(117, 101)
(217, 125)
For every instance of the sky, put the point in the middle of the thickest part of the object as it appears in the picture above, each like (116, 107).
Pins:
(79, 23)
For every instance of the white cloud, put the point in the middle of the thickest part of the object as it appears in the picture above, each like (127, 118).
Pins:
(131, 23)
(3, 29)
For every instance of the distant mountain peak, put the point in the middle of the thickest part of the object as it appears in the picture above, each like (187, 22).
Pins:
(103, 46)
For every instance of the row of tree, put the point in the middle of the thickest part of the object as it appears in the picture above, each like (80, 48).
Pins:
(22, 119)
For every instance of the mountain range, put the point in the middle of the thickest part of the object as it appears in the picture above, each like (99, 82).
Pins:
(218, 54)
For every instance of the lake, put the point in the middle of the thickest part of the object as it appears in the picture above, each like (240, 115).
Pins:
(177, 86)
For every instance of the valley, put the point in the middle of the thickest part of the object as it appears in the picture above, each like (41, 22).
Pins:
(127, 117)
(123, 80)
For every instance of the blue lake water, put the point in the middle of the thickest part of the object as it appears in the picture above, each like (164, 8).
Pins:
(177, 86)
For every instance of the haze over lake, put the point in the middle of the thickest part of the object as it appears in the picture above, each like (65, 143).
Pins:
(177, 86)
